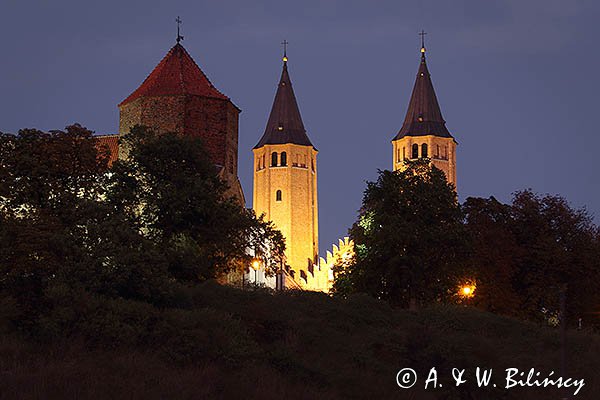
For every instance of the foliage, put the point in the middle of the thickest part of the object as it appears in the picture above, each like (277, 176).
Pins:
(137, 231)
(219, 342)
(495, 254)
(409, 239)
(168, 187)
(52, 172)
(527, 251)
(413, 241)
(559, 248)
(56, 229)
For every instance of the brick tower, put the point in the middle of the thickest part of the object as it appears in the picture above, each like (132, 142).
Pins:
(178, 97)
(285, 186)
(424, 133)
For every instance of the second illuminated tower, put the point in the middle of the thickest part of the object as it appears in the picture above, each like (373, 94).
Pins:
(285, 185)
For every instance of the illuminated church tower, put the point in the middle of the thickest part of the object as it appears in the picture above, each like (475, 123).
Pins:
(424, 133)
(285, 186)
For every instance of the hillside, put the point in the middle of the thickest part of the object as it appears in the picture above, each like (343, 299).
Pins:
(225, 343)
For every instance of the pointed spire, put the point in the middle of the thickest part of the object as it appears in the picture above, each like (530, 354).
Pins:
(176, 74)
(285, 123)
(423, 116)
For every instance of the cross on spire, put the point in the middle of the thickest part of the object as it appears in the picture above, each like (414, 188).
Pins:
(179, 37)
(285, 43)
(422, 34)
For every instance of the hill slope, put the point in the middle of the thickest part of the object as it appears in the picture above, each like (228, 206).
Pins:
(224, 343)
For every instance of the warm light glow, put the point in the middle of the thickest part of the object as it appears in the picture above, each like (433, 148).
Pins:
(467, 290)
(284, 59)
(422, 49)
(255, 264)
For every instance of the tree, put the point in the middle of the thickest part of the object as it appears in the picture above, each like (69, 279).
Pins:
(409, 238)
(54, 171)
(559, 247)
(72, 227)
(495, 254)
(57, 230)
(168, 187)
(526, 252)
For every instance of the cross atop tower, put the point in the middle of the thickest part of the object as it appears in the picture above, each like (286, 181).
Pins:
(422, 34)
(285, 43)
(179, 37)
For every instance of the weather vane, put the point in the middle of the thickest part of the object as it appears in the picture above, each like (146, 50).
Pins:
(285, 43)
(179, 37)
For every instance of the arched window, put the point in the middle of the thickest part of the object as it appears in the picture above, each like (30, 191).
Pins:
(278, 195)
(283, 159)
(403, 153)
(415, 151)
(424, 150)
(274, 159)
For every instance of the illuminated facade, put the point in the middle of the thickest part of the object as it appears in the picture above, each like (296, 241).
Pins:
(178, 97)
(285, 188)
(341, 255)
(424, 133)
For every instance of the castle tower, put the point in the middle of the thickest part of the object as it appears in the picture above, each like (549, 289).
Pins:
(424, 133)
(178, 97)
(285, 185)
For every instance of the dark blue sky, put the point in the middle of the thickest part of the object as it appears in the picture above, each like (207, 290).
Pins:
(517, 81)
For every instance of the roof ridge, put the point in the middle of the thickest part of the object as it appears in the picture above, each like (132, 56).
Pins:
(181, 72)
(176, 74)
(202, 72)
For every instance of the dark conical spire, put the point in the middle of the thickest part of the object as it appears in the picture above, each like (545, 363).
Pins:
(423, 116)
(285, 123)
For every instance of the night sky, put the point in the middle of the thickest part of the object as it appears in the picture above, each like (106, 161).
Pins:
(517, 81)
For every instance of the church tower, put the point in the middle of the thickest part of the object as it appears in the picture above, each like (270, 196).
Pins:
(424, 133)
(285, 186)
(178, 97)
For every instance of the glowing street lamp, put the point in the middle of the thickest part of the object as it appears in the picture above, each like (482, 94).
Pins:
(255, 265)
(467, 291)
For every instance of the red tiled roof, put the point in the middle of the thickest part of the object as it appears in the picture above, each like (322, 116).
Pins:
(110, 143)
(176, 74)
